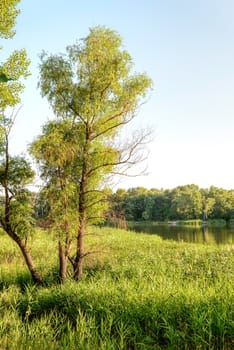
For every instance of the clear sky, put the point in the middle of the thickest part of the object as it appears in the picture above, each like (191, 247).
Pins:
(185, 46)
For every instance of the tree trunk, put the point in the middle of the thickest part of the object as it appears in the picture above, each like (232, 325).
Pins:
(28, 259)
(22, 245)
(62, 263)
(78, 266)
(78, 263)
(64, 248)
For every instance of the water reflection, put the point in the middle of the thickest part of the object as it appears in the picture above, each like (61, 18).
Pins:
(203, 234)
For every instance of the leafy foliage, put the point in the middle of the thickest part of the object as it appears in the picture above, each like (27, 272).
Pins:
(21, 214)
(11, 71)
(20, 173)
(8, 14)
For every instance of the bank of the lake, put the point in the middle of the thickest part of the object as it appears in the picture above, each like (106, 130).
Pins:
(138, 292)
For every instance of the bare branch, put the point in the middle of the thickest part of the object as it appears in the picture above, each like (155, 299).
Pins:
(91, 252)
(116, 126)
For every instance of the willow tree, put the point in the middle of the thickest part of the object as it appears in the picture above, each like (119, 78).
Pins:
(15, 171)
(92, 86)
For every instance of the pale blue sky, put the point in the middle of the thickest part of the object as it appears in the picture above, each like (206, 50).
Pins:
(185, 46)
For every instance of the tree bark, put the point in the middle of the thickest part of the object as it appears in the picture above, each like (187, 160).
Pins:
(78, 266)
(62, 263)
(20, 242)
(29, 261)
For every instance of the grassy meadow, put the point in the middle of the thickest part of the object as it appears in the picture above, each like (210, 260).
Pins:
(138, 292)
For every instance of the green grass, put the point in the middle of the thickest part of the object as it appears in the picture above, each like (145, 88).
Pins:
(138, 292)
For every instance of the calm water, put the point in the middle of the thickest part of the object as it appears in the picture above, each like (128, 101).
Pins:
(206, 235)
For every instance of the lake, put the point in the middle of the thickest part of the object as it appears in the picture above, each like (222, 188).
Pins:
(191, 234)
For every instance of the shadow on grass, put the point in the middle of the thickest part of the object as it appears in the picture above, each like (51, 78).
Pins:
(23, 279)
(166, 322)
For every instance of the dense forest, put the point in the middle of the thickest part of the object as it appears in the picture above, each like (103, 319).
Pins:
(181, 203)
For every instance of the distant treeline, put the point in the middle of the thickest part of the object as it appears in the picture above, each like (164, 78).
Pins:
(181, 203)
(140, 204)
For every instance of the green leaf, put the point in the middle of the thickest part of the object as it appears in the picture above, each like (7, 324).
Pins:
(4, 78)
